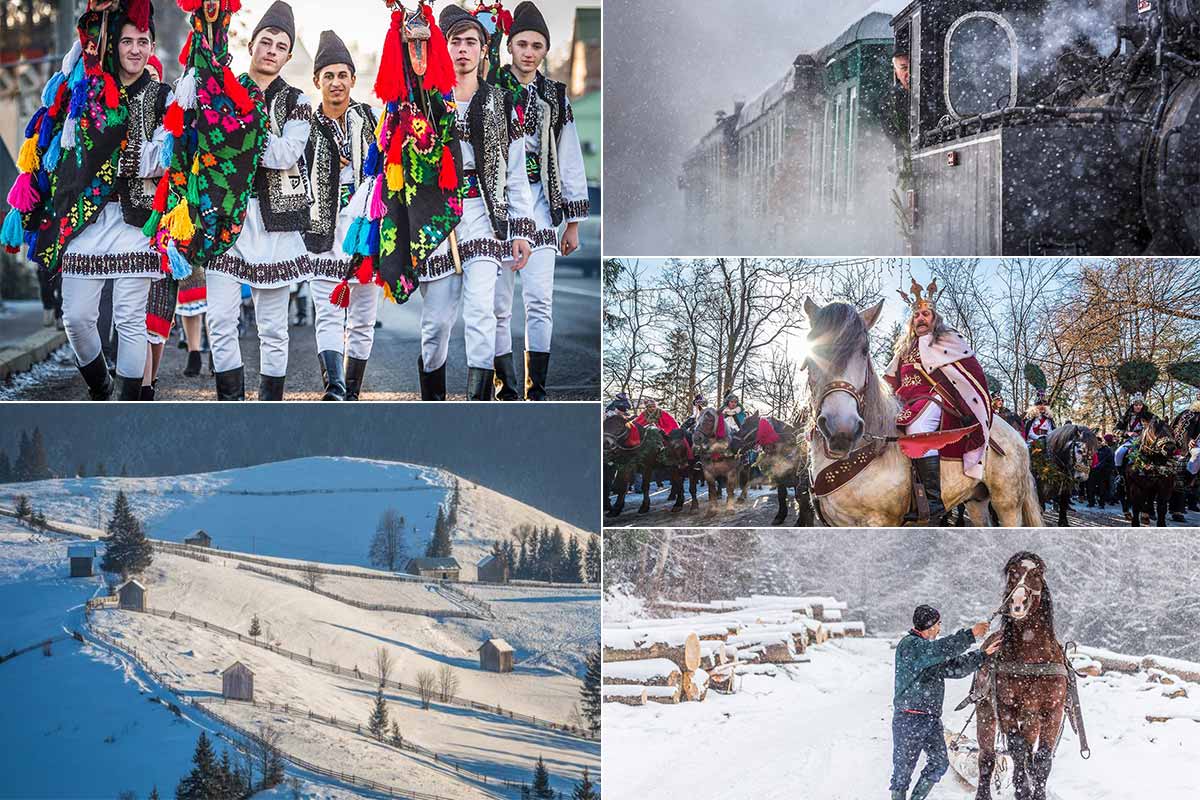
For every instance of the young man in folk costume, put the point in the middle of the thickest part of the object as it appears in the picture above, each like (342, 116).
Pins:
(554, 166)
(82, 193)
(269, 253)
(341, 136)
(1038, 422)
(496, 220)
(938, 380)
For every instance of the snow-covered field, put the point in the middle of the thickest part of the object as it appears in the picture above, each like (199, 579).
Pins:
(97, 708)
(822, 730)
(319, 509)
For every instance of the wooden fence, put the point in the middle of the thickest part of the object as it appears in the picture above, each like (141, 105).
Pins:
(363, 675)
(30, 648)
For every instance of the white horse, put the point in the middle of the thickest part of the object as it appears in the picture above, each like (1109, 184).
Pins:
(852, 407)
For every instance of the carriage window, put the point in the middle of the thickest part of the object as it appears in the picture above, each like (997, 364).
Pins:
(981, 65)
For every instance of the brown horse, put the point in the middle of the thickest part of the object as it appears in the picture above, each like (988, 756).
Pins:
(1024, 686)
(783, 462)
(718, 457)
(1149, 472)
(623, 459)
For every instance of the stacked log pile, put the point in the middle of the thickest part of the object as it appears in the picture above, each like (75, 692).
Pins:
(695, 648)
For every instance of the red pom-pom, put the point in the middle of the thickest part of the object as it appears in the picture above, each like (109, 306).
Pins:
(173, 119)
(506, 20)
(237, 93)
(440, 74)
(188, 6)
(340, 296)
(112, 97)
(63, 94)
(366, 270)
(395, 152)
(164, 263)
(12, 251)
(160, 194)
(235, 6)
(138, 12)
(447, 175)
(389, 82)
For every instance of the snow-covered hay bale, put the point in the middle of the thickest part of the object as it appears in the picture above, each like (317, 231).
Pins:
(649, 672)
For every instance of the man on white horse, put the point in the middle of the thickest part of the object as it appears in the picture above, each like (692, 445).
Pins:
(942, 387)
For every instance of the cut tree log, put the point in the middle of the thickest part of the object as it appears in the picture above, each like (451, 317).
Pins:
(629, 695)
(649, 672)
(695, 685)
(668, 695)
(722, 679)
(686, 656)
(1188, 670)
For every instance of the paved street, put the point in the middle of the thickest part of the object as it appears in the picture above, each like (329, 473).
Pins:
(392, 371)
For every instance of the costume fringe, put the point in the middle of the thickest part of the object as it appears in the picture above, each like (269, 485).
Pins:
(180, 268)
(365, 272)
(447, 175)
(12, 234)
(23, 196)
(28, 159)
(185, 90)
(340, 296)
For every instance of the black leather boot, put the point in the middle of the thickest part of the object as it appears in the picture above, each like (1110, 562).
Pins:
(506, 378)
(270, 387)
(148, 392)
(536, 367)
(433, 384)
(231, 384)
(193, 364)
(929, 469)
(129, 388)
(332, 373)
(922, 789)
(355, 367)
(480, 383)
(95, 375)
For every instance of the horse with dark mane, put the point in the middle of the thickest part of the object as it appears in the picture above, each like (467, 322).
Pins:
(1026, 688)
(1149, 472)
(626, 454)
(783, 462)
(713, 444)
(1068, 451)
(680, 461)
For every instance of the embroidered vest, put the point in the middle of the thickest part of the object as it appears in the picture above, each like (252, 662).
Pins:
(325, 167)
(147, 104)
(284, 195)
(546, 112)
(489, 130)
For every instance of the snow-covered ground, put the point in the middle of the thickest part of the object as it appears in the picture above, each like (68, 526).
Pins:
(822, 730)
(319, 509)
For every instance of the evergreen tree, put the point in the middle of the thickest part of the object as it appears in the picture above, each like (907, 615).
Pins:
(533, 565)
(573, 568)
(23, 509)
(525, 793)
(39, 465)
(452, 517)
(377, 723)
(128, 551)
(81, 471)
(124, 470)
(154, 793)
(556, 556)
(203, 782)
(21, 468)
(439, 545)
(584, 789)
(541, 782)
(101, 471)
(39, 520)
(397, 737)
(6, 470)
(255, 628)
(522, 570)
(592, 561)
(590, 692)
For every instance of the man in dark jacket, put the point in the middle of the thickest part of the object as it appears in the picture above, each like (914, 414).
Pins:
(923, 663)
(1099, 482)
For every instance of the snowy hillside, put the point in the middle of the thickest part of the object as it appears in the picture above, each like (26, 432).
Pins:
(320, 509)
(823, 729)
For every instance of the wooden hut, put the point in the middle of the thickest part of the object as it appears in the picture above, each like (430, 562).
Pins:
(490, 569)
(132, 596)
(446, 569)
(237, 682)
(199, 538)
(496, 655)
(82, 557)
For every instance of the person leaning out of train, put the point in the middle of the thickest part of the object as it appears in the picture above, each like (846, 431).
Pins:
(894, 113)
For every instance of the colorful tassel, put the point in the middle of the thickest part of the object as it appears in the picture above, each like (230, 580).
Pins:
(138, 12)
(447, 175)
(52, 86)
(372, 245)
(178, 222)
(31, 127)
(23, 196)
(185, 90)
(28, 159)
(340, 296)
(71, 59)
(188, 6)
(53, 155)
(12, 234)
(366, 271)
(173, 120)
(180, 268)
(68, 134)
(378, 205)
(350, 243)
(151, 226)
(395, 177)
(185, 53)
(167, 153)
(79, 94)
(371, 162)
(237, 93)
(389, 82)
(112, 97)
(440, 73)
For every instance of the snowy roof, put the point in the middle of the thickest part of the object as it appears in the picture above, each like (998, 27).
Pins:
(499, 644)
(197, 532)
(483, 562)
(433, 563)
(131, 582)
(875, 25)
(237, 665)
(772, 95)
(81, 551)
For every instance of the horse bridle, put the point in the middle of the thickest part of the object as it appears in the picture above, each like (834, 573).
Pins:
(833, 387)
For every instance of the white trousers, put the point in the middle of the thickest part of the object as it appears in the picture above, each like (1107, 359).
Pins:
(1119, 455)
(346, 330)
(926, 422)
(537, 290)
(271, 317)
(475, 289)
(81, 312)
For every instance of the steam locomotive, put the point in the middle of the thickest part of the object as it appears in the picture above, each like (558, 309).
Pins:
(1053, 127)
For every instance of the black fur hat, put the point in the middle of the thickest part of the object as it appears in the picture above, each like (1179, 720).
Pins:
(453, 16)
(280, 16)
(526, 17)
(332, 50)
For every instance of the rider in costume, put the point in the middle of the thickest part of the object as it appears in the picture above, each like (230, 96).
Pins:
(653, 415)
(1133, 422)
(698, 405)
(732, 411)
(1003, 412)
(938, 380)
(1038, 423)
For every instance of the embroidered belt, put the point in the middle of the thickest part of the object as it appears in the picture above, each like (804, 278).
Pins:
(471, 181)
(533, 168)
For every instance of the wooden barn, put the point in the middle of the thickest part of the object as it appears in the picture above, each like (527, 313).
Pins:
(490, 569)
(82, 557)
(237, 682)
(496, 655)
(445, 569)
(132, 596)
(199, 538)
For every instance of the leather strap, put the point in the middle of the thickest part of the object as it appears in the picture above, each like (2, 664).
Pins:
(1047, 669)
(837, 474)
